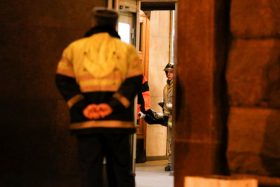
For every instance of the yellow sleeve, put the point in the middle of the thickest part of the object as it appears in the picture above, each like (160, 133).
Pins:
(65, 64)
(135, 66)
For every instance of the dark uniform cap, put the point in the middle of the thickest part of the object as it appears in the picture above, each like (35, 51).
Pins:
(169, 66)
(104, 12)
(104, 16)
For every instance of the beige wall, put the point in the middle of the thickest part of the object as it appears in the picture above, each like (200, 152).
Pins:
(159, 57)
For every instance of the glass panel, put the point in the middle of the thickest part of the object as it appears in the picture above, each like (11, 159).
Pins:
(124, 32)
(141, 37)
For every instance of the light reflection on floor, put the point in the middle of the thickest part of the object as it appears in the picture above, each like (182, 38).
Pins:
(152, 174)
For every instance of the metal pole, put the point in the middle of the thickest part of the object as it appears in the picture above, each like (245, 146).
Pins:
(133, 137)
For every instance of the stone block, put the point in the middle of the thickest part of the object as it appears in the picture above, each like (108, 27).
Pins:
(253, 73)
(253, 141)
(219, 181)
(255, 18)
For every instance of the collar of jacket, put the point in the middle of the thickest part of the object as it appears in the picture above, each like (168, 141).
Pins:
(94, 30)
(169, 82)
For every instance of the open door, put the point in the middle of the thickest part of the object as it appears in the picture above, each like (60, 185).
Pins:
(143, 46)
(133, 27)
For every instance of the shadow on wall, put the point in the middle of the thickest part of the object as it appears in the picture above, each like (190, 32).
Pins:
(270, 151)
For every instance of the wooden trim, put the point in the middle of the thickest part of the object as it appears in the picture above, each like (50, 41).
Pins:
(158, 5)
(153, 158)
(158, 1)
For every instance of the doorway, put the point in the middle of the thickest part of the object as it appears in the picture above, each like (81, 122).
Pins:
(159, 53)
(150, 25)
(158, 41)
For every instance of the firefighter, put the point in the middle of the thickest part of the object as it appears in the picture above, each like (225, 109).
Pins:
(144, 98)
(167, 111)
(153, 117)
(99, 77)
(143, 104)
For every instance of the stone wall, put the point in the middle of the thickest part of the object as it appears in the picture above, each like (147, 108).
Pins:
(253, 78)
(227, 92)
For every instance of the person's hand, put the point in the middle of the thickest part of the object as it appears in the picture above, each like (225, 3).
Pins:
(141, 115)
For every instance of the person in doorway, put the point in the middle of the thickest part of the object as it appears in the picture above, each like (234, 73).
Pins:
(167, 111)
(99, 77)
(144, 98)
(165, 119)
(143, 104)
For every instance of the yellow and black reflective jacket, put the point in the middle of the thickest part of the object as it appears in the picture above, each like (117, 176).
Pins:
(100, 69)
